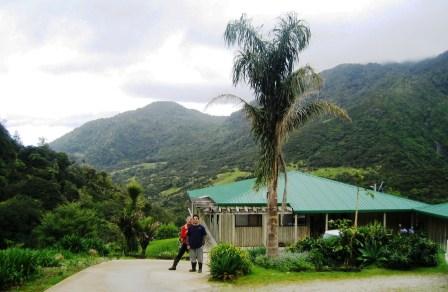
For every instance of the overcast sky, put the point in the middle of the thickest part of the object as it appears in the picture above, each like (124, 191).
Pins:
(63, 63)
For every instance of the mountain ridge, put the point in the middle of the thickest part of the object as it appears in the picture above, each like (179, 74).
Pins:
(399, 113)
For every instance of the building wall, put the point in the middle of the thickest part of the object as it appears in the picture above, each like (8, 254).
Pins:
(437, 229)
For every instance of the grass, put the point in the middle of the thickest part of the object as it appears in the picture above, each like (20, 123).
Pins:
(332, 172)
(48, 277)
(143, 166)
(170, 191)
(261, 276)
(163, 248)
(230, 176)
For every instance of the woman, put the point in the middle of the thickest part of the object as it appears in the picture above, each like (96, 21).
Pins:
(184, 245)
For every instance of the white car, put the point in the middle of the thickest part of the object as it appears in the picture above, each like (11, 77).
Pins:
(332, 233)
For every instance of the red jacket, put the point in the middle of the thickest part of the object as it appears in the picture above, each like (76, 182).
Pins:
(183, 234)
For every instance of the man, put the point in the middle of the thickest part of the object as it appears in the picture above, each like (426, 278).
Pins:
(183, 241)
(196, 240)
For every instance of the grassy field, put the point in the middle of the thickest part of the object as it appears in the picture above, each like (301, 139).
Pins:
(332, 172)
(261, 276)
(230, 176)
(170, 191)
(163, 248)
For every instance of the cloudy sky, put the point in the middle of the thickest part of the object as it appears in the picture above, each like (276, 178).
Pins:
(63, 63)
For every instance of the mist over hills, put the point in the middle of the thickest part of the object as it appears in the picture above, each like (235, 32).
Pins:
(399, 135)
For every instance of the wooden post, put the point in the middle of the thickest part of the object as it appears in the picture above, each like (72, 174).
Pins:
(264, 231)
(384, 220)
(326, 221)
(295, 227)
(221, 221)
(233, 229)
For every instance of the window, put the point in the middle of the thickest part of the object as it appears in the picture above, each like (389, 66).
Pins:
(288, 220)
(252, 220)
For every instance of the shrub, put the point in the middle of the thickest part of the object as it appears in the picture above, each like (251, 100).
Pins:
(68, 219)
(424, 251)
(256, 251)
(228, 262)
(302, 245)
(410, 250)
(371, 253)
(77, 244)
(16, 266)
(286, 262)
(167, 231)
(163, 249)
(48, 258)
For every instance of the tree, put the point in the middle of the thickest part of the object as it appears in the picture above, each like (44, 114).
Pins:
(284, 98)
(146, 230)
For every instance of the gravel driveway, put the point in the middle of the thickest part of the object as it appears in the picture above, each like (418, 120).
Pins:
(153, 275)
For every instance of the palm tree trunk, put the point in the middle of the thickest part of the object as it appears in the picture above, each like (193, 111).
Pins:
(272, 226)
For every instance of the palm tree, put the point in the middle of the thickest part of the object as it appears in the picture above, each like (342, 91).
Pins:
(282, 94)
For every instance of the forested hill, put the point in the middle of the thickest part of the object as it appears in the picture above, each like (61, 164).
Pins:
(399, 128)
(398, 135)
(162, 129)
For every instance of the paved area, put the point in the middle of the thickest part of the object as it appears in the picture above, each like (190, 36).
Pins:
(153, 275)
(135, 276)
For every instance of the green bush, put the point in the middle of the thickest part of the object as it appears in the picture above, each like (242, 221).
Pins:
(48, 258)
(410, 250)
(166, 231)
(16, 266)
(255, 252)
(286, 262)
(163, 249)
(67, 220)
(77, 244)
(228, 262)
(424, 251)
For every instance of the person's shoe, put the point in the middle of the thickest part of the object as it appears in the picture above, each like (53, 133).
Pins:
(173, 267)
(193, 267)
(200, 268)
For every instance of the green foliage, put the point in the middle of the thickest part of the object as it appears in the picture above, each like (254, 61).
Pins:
(167, 231)
(67, 220)
(367, 245)
(18, 217)
(48, 257)
(16, 266)
(228, 262)
(406, 251)
(163, 249)
(286, 262)
(77, 244)
(256, 251)
(146, 230)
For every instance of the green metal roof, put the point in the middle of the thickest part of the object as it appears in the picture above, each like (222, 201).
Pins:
(308, 194)
(440, 210)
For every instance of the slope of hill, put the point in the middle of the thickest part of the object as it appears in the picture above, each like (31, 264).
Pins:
(398, 135)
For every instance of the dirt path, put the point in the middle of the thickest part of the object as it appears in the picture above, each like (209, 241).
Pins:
(153, 275)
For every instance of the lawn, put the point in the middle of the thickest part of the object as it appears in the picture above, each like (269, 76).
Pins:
(230, 176)
(261, 276)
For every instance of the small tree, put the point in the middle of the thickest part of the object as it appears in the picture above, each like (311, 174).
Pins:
(136, 228)
(146, 229)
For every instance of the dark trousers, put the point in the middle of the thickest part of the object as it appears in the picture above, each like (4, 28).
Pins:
(181, 252)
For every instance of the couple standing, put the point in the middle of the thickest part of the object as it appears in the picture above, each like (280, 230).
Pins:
(192, 238)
